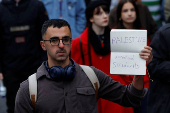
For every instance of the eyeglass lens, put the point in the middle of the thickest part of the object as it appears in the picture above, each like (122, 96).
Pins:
(65, 40)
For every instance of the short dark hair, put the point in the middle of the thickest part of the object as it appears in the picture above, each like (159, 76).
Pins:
(55, 23)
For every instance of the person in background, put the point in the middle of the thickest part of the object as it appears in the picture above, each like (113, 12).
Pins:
(63, 87)
(93, 48)
(159, 90)
(20, 52)
(145, 16)
(127, 15)
(71, 10)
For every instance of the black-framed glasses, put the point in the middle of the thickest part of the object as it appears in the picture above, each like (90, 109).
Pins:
(54, 41)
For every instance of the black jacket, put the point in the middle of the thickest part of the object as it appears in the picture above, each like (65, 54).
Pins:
(159, 69)
(20, 35)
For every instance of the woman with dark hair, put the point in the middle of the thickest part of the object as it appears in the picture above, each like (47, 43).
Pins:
(93, 48)
(127, 15)
(97, 27)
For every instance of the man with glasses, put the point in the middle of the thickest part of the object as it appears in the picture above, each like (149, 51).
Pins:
(63, 87)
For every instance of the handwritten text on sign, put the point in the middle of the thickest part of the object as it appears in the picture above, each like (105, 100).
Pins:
(128, 40)
(125, 48)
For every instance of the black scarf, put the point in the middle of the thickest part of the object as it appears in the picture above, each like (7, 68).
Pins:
(96, 42)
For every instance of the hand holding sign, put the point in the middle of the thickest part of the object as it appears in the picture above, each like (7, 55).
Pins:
(146, 54)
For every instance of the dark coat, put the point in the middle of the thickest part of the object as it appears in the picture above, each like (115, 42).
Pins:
(159, 69)
(20, 35)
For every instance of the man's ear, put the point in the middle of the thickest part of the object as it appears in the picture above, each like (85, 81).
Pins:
(43, 45)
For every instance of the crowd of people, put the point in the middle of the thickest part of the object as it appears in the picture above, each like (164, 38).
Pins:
(52, 38)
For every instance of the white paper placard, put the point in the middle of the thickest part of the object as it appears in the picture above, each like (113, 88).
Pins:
(125, 48)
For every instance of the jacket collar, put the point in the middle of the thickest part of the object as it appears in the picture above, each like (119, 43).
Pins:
(42, 71)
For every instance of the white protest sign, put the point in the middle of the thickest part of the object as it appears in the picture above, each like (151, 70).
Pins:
(125, 48)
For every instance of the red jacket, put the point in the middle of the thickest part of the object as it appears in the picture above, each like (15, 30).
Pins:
(102, 63)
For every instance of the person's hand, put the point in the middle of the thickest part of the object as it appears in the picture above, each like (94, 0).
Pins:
(146, 54)
(138, 82)
(1, 76)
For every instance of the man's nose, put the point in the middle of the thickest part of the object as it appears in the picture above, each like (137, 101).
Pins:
(61, 45)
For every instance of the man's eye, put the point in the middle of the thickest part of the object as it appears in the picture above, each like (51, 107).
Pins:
(54, 40)
(65, 39)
